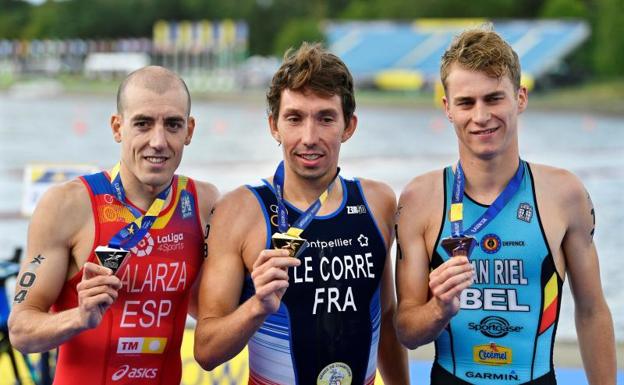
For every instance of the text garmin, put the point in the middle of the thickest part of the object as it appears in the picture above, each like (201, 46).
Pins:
(493, 376)
(336, 268)
(504, 272)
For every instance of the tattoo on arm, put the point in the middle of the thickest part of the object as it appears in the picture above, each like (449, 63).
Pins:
(27, 280)
(207, 232)
(399, 251)
(593, 214)
(398, 211)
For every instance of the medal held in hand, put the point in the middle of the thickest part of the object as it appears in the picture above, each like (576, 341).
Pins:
(112, 258)
(461, 243)
(294, 245)
(460, 246)
(289, 237)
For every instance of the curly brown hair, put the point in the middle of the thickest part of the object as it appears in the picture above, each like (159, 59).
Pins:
(482, 49)
(313, 68)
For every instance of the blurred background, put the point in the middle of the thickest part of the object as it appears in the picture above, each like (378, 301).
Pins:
(61, 62)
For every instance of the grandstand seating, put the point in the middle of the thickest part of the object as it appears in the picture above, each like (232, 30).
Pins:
(370, 48)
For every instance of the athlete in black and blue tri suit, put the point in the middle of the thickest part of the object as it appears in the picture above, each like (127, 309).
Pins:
(324, 315)
(484, 245)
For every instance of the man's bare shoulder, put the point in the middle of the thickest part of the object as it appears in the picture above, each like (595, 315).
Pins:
(207, 195)
(239, 206)
(207, 191)
(65, 208)
(558, 184)
(422, 187)
(68, 198)
(377, 189)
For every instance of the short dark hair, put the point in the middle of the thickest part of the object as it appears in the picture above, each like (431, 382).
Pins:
(313, 68)
(153, 78)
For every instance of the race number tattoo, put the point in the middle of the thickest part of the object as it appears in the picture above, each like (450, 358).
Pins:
(399, 251)
(27, 279)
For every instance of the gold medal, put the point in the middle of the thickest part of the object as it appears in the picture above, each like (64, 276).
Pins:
(294, 245)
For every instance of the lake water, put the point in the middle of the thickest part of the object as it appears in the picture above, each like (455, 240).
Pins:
(232, 146)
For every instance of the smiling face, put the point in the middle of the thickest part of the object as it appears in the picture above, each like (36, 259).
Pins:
(484, 111)
(311, 129)
(153, 129)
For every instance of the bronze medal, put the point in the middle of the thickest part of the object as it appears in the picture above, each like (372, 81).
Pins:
(459, 246)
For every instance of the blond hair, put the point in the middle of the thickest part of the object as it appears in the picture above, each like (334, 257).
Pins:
(483, 50)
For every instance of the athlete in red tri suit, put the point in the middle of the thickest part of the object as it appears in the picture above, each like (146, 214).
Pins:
(124, 327)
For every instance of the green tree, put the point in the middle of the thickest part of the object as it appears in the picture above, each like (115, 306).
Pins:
(564, 8)
(297, 31)
(609, 29)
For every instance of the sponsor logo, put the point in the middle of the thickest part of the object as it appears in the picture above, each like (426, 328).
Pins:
(337, 373)
(137, 373)
(170, 242)
(491, 354)
(513, 243)
(525, 212)
(359, 209)
(338, 242)
(494, 327)
(170, 238)
(363, 240)
(144, 247)
(490, 243)
(493, 376)
(138, 345)
(185, 205)
(108, 199)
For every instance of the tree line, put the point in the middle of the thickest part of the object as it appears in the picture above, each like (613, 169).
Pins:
(275, 25)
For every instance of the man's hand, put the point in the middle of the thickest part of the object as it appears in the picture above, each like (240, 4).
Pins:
(447, 282)
(96, 293)
(270, 278)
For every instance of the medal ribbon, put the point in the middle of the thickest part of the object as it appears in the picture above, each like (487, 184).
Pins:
(457, 199)
(133, 232)
(304, 220)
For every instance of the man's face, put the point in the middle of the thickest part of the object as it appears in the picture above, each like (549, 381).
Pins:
(484, 111)
(153, 130)
(311, 129)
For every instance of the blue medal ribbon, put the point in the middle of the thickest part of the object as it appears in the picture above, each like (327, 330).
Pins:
(306, 218)
(133, 232)
(457, 199)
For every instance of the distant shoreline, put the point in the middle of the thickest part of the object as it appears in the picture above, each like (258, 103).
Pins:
(604, 97)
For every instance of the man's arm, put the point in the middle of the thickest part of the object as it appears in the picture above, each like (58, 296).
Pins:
(223, 328)
(594, 324)
(392, 357)
(207, 195)
(61, 214)
(427, 301)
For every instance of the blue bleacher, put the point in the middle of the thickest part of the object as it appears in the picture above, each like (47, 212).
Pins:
(369, 48)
